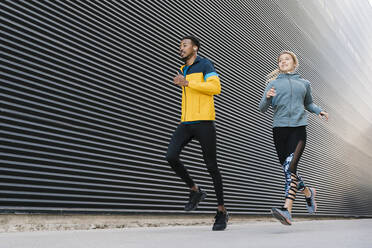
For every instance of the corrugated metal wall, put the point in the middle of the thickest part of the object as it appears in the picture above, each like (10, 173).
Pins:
(88, 106)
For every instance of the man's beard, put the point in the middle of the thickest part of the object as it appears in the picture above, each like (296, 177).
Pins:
(184, 59)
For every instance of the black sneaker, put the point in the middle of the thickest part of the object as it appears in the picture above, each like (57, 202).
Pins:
(221, 221)
(194, 199)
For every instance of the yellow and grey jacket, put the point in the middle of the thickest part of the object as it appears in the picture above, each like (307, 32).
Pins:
(197, 97)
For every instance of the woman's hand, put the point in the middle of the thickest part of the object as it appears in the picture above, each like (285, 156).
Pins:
(323, 114)
(271, 93)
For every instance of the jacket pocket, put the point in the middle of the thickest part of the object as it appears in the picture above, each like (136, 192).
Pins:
(196, 105)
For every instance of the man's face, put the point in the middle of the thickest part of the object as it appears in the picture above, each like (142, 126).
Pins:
(187, 49)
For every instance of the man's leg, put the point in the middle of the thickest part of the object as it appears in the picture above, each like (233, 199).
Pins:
(180, 138)
(206, 134)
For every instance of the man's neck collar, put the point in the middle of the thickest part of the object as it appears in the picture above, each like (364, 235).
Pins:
(192, 60)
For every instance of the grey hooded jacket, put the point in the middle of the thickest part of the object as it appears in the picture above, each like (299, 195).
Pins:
(293, 96)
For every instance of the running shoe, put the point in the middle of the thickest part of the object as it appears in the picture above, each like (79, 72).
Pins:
(221, 220)
(310, 202)
(195, 198)
(283, 215)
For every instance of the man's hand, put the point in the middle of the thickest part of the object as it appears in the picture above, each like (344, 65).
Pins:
(180, 80)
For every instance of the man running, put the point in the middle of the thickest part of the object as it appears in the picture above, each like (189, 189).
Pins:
(199, 82)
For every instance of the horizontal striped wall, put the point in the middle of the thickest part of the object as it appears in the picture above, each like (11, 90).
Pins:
(88, 107)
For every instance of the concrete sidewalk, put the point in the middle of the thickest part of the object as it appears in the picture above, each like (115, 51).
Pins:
(355, 233)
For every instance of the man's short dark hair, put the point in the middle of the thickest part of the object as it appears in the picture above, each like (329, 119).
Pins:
(195, 41)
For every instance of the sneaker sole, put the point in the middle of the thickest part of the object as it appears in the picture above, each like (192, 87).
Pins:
(219, 228)
(280, 217)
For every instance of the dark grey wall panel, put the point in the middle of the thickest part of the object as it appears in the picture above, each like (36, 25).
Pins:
(88, 105)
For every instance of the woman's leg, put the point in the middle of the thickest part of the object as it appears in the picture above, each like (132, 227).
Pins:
(296, 145)
(280, 136)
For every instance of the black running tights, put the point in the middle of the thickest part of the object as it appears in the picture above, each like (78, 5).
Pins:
(205, 133)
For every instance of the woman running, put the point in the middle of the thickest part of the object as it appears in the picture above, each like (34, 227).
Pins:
(290, 96)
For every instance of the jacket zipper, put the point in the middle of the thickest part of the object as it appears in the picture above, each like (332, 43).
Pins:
(290, 101)
(184, 89)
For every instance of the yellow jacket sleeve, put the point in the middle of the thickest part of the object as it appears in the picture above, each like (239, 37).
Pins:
(210, 87)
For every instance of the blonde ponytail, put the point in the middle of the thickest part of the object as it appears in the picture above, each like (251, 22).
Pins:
(272, 75)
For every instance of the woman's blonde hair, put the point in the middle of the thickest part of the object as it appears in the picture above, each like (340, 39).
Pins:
(274, 74)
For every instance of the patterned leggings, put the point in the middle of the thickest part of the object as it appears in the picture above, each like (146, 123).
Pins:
(290, 144)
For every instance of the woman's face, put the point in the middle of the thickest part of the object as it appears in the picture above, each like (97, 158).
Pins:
(286, 63)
